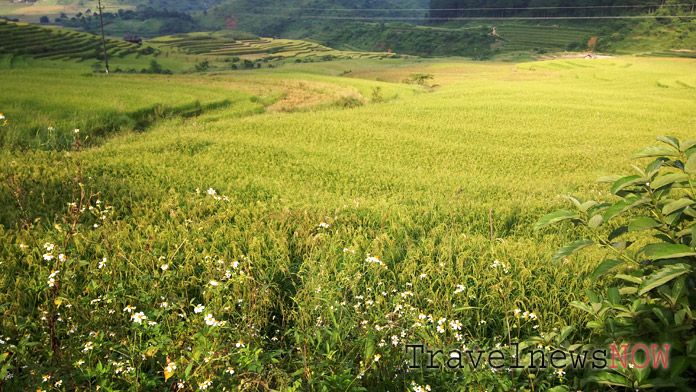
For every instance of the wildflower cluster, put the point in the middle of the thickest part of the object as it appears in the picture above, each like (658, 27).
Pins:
(213, 193)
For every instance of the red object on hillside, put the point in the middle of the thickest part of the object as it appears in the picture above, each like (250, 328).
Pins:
(231, 22)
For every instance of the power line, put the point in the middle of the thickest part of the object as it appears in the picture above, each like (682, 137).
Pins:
(477, 8)
(375, 18)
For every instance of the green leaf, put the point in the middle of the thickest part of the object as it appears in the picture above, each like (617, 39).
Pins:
(676, 205)
(678, 366)
(609, 179)
(618, 232)
(672, 141)
(629, 278)
(577, 202)
(679, 288)
(623, 206)
(582, 306)
(654, 166)
(656, 151)
(369, 346)
(687, 144)
(668, 179)
(660, 313)
(594, 324)
(607, 378)
(613, 296)
(595, 221)
(673, 251)
(626, 182)
(594, 298)
(559, 388)
(690, 166)
(641, 374)
(587, 205)
(565, 331)
(604, 267)
(643, 223)
(571, 248)
(663, 276)
(462, 308)
(555, 217)
(639, 170)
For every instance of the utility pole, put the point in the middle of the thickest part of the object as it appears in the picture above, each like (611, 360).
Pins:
(101, 23)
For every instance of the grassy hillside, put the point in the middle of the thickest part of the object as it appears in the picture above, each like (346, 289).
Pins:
(289, 19)
(101, 105)
(26, 46)
(297, 251)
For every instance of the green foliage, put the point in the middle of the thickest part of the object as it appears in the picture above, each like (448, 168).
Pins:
(348, 102)
(650, 233)
(413, 40)
(421, 79)
(202, 66)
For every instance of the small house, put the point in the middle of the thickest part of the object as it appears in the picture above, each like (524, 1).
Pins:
(134, 39)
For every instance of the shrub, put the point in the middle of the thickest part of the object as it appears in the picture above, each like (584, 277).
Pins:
(421, 79)
(348, 102)
(650, 233)
(202, 66)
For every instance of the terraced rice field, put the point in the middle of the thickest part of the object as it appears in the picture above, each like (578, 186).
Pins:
(218, 45)
(19, 39)
(524, 37)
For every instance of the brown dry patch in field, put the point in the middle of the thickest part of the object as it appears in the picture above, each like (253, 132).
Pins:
(286, 94)
(302, 94)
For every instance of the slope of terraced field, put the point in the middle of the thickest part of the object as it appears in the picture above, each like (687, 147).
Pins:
(24, 45)
(222, 44)
(54, 44)
(524, 37)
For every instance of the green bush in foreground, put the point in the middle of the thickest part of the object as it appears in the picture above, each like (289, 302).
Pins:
(651, 234)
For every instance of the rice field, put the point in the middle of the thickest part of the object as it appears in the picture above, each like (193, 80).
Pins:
(220, 44)
(525, 37)
(21, 39)
(246, 248)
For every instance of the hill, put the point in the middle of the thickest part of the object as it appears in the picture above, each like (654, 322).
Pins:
(433, 26)
(20, 39)
(248, 47)
(298, 18)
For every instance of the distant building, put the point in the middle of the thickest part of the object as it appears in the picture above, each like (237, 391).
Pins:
(133, 39)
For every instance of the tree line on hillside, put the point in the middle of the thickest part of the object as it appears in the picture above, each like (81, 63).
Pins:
(170, 22)
(441, 10)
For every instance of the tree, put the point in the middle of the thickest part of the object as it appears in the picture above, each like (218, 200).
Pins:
(155, 67)
(44, 19)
